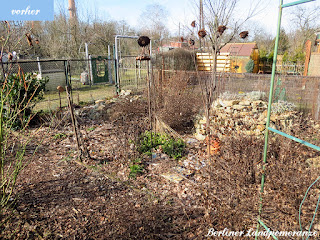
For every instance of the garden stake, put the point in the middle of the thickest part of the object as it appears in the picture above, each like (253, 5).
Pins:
(60, 90)
(74, 123)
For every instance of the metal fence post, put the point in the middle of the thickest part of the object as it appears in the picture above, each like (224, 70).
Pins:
(39, 67)
(90, 71)
(109, 66)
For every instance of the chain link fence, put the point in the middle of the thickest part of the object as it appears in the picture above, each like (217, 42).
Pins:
(133, 74)
(87, 86)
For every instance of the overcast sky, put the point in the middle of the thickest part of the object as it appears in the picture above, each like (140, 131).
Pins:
(180, 11)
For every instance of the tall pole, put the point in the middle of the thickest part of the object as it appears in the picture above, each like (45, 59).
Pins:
(72, 10)
(109, 65)
(201, 21)
(87, 55)
(201, 15)
(266, 134)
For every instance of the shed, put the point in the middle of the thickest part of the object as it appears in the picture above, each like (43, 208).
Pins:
(233, 57)
(239, 55)
(314, 65)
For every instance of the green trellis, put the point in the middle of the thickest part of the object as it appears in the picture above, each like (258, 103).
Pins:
(268, 128)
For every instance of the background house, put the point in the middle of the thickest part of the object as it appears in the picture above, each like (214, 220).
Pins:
(239, 55)
(233, 57)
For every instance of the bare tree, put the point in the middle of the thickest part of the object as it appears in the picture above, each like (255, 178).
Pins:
(153, 21)
(263, 39)
(221, 27)
(306, 18)
(306, 24)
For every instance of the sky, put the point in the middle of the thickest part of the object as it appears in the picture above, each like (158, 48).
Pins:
(179, 11)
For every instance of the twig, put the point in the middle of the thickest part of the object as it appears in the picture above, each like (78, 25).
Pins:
(74, 123)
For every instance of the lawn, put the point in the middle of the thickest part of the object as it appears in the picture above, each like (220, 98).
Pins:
(84, 94)
(129, 79)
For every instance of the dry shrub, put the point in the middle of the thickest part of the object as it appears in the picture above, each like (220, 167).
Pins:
(288, 178)
(180, 102)
(176, 59)
(235, 178)
(125, 110)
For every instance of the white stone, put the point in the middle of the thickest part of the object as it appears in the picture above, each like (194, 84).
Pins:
(99, 102)
(203, 121)
(200, 137)
(245, 103)
(238, 107)
(125, 93)
(100, 108)
(261, 127)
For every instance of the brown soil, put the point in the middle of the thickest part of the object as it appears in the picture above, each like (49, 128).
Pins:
(60, 198)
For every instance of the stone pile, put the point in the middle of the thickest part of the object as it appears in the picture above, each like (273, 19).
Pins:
(242, 116)
(102, 106)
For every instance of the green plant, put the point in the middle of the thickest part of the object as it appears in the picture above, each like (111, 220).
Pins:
(93, 167)
(170, 146)
(59, 136)
(135, 170)
(91, 129)
(138, 160)
(280, 92)
(22, 91)
(174, 148)
(13, 143)
(18, 93)
(148, 141)
(249, 66)
(82, 103)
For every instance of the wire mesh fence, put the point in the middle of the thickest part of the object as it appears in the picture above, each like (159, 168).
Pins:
(87, 86)
(99, 74)
(302, 92)
(238, 119)
(133, 73)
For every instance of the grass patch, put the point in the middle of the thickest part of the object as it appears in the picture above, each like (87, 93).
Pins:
(81, 95)
(59, 136)
(170, 146)
(135, 170)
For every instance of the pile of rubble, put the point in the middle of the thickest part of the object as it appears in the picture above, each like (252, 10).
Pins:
(102, 106)
(245, 115)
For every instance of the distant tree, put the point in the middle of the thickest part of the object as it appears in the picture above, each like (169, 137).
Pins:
(305, 22)
(153, 22)
(263, 39)
(284, 43)
(306, 19)
(17, 31)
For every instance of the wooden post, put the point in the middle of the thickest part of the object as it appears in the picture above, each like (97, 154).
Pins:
(60, 100)
(306, 64)
(317, 106)
(163, 68)
(149, 97)
(75, 129)
(60, 90)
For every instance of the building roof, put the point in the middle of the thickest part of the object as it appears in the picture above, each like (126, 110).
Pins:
(239, 49)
